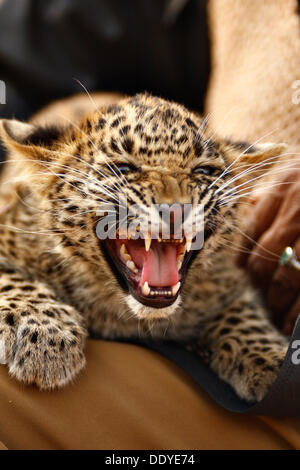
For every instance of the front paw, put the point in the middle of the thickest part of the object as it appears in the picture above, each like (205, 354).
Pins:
(45, 348)
(252, 379)
(251, 373)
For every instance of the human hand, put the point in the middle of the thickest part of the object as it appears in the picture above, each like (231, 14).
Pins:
(273, 224)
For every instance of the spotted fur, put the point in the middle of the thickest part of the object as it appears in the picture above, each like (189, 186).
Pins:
(55, 280)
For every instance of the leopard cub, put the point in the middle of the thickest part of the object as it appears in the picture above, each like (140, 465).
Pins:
(59, 279)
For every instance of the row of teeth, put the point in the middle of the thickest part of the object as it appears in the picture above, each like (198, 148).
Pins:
(147, 240)
(127, 259)
(125, 256)
(187, 247)
(171, 240)
(147, 290)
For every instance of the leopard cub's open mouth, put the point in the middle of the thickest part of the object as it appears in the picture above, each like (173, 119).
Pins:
(153, 270)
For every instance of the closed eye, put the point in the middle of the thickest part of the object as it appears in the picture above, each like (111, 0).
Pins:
(205, 170)
(124, 168)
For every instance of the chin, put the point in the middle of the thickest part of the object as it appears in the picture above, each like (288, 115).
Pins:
(142, 311)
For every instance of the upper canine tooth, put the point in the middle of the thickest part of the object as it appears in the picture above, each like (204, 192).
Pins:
(147, 243)
(132, 266)
(188, 243)
(175, 288)
(179, 264)
(146, 288)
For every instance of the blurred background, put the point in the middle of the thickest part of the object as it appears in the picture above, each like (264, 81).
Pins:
(128, 46)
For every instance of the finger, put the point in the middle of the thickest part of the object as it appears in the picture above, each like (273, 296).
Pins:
(262, 216)
(284, 290)
(292, 317)
(265, 211)
(282, 294)
(263, 260)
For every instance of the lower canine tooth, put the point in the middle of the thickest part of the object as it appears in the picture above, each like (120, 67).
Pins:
(146, 288)
(175, 288)
(132, 266)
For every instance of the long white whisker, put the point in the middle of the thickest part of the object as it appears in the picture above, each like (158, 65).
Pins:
(238, 194)
(88, 93)
(220, 124)
(274, 255)
(70, 169)
(259, 177)
(252, 168)
(84, 161)
(240, 155)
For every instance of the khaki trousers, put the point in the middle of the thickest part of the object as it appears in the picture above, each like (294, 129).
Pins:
(129, 397)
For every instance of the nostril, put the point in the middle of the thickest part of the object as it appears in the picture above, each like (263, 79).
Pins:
(176, 214)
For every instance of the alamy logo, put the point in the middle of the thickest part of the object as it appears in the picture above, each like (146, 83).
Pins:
(2, 92)
(157, 221)
(296, 354)
(296, 94)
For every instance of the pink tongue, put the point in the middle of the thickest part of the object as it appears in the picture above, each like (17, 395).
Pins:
(160, 266)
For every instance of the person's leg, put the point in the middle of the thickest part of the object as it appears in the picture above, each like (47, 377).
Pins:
(129, 398)
(253, 91)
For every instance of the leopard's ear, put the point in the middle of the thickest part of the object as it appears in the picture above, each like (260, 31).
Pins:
(36, 143)
(241, 155)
